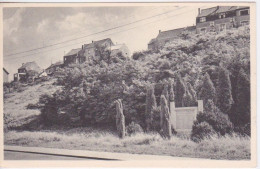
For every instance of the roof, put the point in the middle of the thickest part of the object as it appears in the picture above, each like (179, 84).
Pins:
(152, 41)
(31, 66)
(59, 63)
(118, 46)
(99, 42)
(73, 52)
(5, 71)
(219, 9)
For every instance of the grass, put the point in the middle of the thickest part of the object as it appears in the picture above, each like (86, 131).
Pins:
(16, 115)
(15, 111)
(231, 147)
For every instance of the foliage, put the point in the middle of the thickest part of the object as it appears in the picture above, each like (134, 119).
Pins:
(201, 131)
(120, 119)
(150, 106)
(180, 91)
(133, 128)
(215, 118)
(165, 118)
(208, 91)
(240, 114)
(224, 95)
(171, 93)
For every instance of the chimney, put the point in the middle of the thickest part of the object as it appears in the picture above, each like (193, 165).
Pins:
(92, 41)
(82, 47)
(159, 31)
(198, 11)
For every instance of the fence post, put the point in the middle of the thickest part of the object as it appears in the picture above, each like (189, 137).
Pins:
(200, 106)
(173, 114)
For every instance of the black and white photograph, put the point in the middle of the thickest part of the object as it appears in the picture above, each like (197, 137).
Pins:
(121, 82)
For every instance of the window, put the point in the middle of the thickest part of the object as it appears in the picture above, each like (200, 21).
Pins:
(211, 23)
(203, 30)
(243, 23)
(232, 20)
(222, 15)
(203, 19)
(222, 27)
(244, 12)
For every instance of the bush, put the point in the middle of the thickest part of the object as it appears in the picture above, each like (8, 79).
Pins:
(133, 128)
(215, 118)
(201, 130)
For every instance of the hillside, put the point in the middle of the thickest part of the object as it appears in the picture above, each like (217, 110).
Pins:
(16, 113)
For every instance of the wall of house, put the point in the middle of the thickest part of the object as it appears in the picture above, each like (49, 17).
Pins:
(217, 22)
(124, 50)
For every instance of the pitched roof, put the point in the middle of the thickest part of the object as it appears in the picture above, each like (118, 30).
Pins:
(55, 64)
(31, 66)
(118, 46)
(99, 42)
(219, 9)
(5, 70)
(151, 41)
(73, 52)
(170, 33)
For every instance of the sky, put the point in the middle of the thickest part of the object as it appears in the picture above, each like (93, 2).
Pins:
(45, 34)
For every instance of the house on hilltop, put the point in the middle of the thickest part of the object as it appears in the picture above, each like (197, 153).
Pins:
(54, 67)
(28, 71)
(93, 50)
(120, 48)
(167, 36)
(220, 18)
(5, 75)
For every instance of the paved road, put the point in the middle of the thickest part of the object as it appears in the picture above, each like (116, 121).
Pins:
(12, 155)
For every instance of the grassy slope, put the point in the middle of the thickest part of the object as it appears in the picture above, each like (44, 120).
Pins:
(230, 147)
(15, 103)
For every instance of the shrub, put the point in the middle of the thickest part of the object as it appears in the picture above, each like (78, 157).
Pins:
(208, 91)
(180, 91)
(201, 130)
(133, 128)
(120, 119)
(224, 96)
(49, 109)
(165, 118)
(150, 107)
(32, 106)
(215, 118)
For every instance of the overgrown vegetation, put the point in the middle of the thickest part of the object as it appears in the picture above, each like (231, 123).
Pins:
(198, 67)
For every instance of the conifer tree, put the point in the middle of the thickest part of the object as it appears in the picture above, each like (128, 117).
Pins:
(120, 119)
(187, 99)
(165, 118)
(151, 105)
(208, 91)
(193, 94)
(179, 90)
(224, 95)
(166, 93)
(171, 93)
(242, 113)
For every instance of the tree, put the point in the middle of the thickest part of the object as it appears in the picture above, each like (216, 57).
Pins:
(120, 119)
(180, 91)
(151, 105)
(165, 115)
(241, 115)
(166, 93)
(187, 99)
(208, 91)
(171, 93)
(193, 94)
(224, 91)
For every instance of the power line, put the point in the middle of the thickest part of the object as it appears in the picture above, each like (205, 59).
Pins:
(101, 36)
(95, 33)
